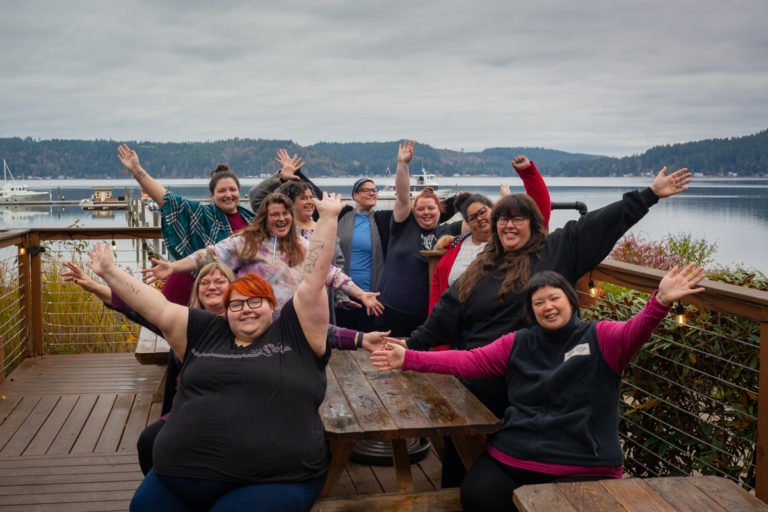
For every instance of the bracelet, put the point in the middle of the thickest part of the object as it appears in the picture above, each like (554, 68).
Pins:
(359, 339)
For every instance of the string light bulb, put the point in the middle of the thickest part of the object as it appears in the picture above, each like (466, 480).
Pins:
(22, 250)
(679, 314)
(592, 288)
(114, 247)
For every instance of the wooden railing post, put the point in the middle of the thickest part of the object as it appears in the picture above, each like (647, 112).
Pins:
(761, 469)
(25, 299)
(36, 294)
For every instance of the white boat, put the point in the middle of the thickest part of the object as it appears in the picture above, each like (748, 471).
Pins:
(12, 192)
(418, 183)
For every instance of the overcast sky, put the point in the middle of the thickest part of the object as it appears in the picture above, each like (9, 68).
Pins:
(611, 77)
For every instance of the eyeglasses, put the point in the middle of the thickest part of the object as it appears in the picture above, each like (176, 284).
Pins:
(237, 305)
(517, 220)
(205, 283)
(367, 190)
(279, 215)
(428, 190)
(479, 213)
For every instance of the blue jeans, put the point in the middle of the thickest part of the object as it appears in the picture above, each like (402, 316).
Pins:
(178, 494)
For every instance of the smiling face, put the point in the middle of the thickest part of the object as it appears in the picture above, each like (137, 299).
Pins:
(365, 197)
(279, 220)
(248, 323)
(303, 207)
(226, 195)
(479, 220)
(211, 290)
(426, 212)
(514, 231)
(551, 307)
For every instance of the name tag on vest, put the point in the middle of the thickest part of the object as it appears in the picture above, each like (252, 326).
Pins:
(578, 350)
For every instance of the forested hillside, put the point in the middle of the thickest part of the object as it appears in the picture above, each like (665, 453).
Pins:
(28, 158)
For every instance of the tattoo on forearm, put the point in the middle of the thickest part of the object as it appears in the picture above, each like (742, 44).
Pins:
(139, 175)
(312, 255)
(132, 287)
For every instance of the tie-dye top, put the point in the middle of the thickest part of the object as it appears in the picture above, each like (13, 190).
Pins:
(270, 263)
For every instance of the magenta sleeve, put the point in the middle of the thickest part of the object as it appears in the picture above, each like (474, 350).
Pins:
(621, 341)
(488, 361)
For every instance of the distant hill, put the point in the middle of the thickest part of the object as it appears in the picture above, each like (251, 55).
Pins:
(28, 158)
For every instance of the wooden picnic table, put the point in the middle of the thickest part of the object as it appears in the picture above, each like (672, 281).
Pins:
(364, 403)
(670, 494)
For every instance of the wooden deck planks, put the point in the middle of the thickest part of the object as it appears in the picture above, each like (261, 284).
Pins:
(68, 431)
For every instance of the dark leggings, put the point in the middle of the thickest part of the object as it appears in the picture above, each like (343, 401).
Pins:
(489, 484)
(176, 494)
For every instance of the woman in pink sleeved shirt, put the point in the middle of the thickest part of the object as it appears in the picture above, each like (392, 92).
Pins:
(563, 380)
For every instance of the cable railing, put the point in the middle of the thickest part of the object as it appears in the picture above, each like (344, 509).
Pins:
(690, 399)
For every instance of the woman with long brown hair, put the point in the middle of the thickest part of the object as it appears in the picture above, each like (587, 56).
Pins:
(270, 247)
(486, 302)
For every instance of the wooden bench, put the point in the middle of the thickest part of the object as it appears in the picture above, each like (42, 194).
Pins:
(153, 349)
(443, 500)
(671, 494)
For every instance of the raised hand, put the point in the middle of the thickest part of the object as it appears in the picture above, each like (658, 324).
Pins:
(75, 274)
(665, 186)
(372, 304)
(504, 190)
(405, 151)
(521, 162)
(375, 340)
(678, 284)
(128, 158)
(391, 358)
(101, 259)
(161, 270)
(288, 165)
(331, 204)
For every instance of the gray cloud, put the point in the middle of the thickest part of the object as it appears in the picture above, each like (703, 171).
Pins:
(612, 77)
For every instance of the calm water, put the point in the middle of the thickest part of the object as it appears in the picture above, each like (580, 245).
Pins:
(732, 213)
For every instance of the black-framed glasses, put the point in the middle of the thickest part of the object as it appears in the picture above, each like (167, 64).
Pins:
(517, 220)
(479, 213)
(237, 304)
(367, 190)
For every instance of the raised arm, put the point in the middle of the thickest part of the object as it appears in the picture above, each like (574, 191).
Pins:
(289, 166)
(76, 275)
(311, 299)
(144, 299)
(130, 161)
(534, 185)
(620, 341)
(403, 181)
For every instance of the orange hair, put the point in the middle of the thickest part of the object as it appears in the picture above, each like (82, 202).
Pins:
(251, 285)
(429, 193)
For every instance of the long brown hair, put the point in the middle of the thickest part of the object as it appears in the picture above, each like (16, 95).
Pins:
(515, 266)
(257, 231)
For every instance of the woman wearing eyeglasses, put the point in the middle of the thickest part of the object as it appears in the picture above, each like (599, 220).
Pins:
(245, 433)
(476, 211)
(486, 301)
(270, 247)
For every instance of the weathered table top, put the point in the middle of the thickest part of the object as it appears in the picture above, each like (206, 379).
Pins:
(364, 403)
(670, 494)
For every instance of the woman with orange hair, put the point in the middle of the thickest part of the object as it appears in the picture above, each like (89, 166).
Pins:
(245, 433)
(404, 282)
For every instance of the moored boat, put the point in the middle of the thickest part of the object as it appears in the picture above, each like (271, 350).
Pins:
(12, 192)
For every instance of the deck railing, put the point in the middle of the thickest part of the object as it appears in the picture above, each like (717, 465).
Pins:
(25, 330)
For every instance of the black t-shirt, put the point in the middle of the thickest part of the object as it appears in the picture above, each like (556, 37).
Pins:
(246, 414)
(405, 282)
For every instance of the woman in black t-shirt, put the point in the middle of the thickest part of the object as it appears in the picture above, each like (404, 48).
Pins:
(245, 433)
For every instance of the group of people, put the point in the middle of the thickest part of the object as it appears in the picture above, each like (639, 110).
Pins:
(254, 299)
